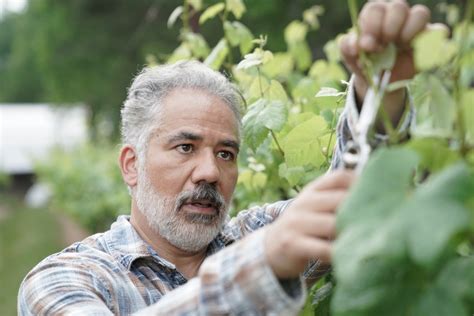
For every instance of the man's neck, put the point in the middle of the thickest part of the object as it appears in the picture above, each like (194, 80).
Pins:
(186, 263)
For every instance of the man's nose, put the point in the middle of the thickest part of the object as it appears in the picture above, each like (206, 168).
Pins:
(206, 169)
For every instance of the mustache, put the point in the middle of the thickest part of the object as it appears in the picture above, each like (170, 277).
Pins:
(204, 191)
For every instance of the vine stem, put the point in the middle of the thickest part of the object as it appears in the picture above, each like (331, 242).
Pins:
(260, 82)
(326, 154)
(277, 143)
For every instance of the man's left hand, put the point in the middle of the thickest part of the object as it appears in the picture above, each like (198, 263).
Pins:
(381, 23)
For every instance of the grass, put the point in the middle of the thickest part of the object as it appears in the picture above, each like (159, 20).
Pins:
(26, 237)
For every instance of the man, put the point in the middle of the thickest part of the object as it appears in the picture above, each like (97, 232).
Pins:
(177, 253)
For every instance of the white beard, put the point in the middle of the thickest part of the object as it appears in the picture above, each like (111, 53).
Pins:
(188, 232)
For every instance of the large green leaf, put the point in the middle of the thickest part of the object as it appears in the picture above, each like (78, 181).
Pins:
(263, 115)
(422, 215)
(439, 301)
(393, 239)
(458, 277)
(433, 49)
(383, 189)
(308, 143)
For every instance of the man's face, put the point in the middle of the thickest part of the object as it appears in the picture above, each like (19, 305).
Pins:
(186, 184)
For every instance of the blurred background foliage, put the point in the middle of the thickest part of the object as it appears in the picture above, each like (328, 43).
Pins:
(87, 50)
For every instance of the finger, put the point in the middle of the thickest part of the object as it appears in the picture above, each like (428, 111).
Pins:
(326, 201)
(314, 249)
(417, 20)
(337, 179)
(371, 23)
(350, 53)
(320, 225)
(395, 16)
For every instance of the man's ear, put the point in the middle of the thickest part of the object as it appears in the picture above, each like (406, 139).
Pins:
(128, 165)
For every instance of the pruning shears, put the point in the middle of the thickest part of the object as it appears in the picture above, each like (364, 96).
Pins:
(359, 149)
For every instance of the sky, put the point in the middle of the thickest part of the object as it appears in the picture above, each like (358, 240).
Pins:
(11, 5)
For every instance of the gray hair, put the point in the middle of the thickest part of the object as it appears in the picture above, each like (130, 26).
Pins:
(142, 107)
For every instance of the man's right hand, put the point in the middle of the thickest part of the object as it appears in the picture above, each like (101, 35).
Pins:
(306, 229)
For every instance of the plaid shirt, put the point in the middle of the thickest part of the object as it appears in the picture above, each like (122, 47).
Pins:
(116, 272)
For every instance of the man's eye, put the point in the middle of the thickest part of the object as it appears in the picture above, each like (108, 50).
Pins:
(185, 148)
(226, 155)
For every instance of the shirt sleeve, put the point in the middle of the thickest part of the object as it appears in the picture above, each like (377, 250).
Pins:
(67, 289)
(237, 281)
(349, 118)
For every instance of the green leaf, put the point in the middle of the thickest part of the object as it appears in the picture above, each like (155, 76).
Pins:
(393, 239)
(276, 92)
(435, 107)
(302, 54)
(307, 143)
(311, 16)
(174, 16)
(281, 65)
(263, 115)
(182, 52)
(326, 72)
(305, 90)
(197, 44)
(458, 277)
(434, 152)
(217, 55)
(239, 35)
(293, 175)
(423, 215)
(432, 48)
(295, 32)
(384, 189)
(258, 57)
(439, 301)
(257, 88)
(211, 12)
(332, 50)
(455, 184)
(237, 7)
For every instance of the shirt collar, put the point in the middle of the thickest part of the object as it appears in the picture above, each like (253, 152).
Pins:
(126, 245)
